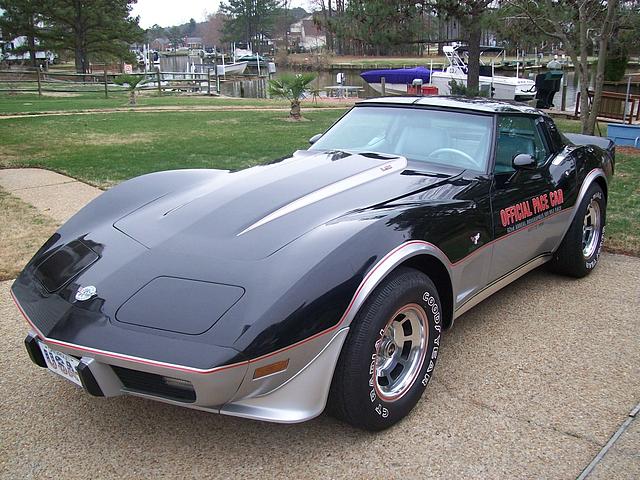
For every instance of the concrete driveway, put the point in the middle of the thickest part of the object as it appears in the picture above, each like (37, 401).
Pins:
(532, 383)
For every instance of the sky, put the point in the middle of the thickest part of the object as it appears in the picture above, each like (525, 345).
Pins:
(176, 12)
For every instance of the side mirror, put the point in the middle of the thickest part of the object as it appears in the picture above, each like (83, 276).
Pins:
(524, 161)
(315, 138)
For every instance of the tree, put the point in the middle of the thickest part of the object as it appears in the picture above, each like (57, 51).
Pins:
(174, 34)
(382, 27)
(579, 25)
(249, 20)
(191, 28)
(91, 28)
(471, 14)
(211, 30)
(156, 31)
(625, 36)
(291, 87)
(22, 18)
(132, 82)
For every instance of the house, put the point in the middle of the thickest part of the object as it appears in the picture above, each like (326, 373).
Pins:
(306, 35)
(13, 50)
(194, 43)
(160, 44)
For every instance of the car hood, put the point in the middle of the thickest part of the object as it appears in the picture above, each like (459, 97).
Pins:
(251, 213)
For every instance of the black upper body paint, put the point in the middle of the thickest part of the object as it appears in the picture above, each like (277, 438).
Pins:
(179, 280)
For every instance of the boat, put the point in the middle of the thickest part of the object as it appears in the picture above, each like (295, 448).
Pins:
(497, 86)
(398, 81)
(237, 68)
(255, 61)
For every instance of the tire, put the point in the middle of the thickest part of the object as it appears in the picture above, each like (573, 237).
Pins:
(376, 382)
(580, 249)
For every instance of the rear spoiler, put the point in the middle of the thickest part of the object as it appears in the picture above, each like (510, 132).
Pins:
(602, 142)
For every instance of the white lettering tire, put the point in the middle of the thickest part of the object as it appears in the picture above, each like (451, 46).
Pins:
(580, 249)
(390, 352)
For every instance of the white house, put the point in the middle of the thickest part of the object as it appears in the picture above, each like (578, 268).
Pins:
(306, 34)
(9, 47)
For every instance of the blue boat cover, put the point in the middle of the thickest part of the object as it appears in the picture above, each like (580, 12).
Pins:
(397, 75)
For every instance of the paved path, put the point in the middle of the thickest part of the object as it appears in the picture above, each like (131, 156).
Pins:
(532, 383)
(53, 194)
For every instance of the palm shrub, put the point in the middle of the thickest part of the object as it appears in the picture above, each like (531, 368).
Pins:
(460, 89)
(291, 87)
(131, 82)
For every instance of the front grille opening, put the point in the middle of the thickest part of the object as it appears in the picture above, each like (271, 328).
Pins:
(156, 385)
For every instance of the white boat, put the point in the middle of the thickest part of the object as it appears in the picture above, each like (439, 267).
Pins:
(237, 68)
(502, 87)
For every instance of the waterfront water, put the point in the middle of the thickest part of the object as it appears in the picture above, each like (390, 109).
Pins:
(248, 87)
(352, 77)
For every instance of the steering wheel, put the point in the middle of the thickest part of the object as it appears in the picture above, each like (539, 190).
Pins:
(457, 152)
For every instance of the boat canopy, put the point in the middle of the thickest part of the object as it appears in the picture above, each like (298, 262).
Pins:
(397, 75)
(483, 49)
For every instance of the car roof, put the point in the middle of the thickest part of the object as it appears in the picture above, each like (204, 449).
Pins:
(477, 104)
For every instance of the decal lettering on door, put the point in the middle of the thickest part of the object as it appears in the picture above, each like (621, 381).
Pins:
(528, 211)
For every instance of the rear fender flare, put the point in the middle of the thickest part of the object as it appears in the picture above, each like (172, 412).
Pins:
(596, 175)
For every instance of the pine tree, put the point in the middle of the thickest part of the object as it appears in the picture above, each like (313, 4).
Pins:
(22, 18)
(91, 29)
(249, 20)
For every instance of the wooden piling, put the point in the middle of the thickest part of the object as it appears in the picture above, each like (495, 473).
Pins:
(39, 82)
(106, 87)
(158, 81)
(383, 86)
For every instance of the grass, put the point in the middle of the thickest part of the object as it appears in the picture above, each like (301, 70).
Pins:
(24, 229)
(104, 149)
(623, 208)
(31, 102)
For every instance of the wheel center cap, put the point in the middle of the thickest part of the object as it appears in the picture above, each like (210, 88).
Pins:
(391, 349)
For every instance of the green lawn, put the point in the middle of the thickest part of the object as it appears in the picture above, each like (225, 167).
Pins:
(623, 209)
(104, 149)
(31, 102)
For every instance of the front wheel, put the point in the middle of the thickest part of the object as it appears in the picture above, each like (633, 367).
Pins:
(390, 352)
(580, 249)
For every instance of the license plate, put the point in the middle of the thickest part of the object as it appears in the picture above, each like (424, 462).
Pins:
(61, 363)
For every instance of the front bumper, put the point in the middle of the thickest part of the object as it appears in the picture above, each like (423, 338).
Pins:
(186, 370)
(286, 397)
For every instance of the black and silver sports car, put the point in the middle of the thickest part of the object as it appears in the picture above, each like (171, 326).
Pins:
(322, 279)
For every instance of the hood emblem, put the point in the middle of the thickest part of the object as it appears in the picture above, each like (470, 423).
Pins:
(475, 238)
(85, 293)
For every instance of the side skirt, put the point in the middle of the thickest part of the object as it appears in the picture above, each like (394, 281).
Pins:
(501, 282)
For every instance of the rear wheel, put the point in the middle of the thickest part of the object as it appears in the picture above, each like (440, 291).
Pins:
(390, 352)
(579, 251)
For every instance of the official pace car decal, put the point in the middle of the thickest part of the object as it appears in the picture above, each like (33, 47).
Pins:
(529, 211)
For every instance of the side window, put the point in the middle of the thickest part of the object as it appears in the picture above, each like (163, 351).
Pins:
(518, 134)
(556, 139)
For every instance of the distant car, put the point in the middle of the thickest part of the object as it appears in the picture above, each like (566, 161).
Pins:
(327, 276)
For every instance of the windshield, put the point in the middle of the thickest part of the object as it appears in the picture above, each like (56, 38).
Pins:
(455, 139)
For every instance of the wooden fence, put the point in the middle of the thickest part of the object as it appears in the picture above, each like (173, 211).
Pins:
(36, 81)
(616, 106)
